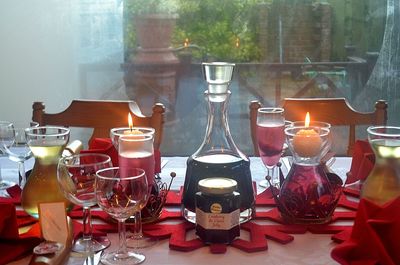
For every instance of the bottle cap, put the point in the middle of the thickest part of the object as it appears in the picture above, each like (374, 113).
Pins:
(217, 186)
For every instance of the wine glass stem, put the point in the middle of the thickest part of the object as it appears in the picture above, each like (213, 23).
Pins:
(274, 180)
(122, 237)
(138, 225)
(22, 175)
(87, 223)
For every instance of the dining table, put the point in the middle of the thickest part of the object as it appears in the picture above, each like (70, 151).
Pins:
(305, 248)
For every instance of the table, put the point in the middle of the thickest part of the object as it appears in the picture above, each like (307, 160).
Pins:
(305, 249)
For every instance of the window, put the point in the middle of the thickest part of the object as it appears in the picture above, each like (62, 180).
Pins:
(56, 51)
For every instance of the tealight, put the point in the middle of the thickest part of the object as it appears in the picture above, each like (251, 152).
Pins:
(307, 143)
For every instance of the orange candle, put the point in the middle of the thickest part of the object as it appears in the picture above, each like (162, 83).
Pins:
(307, 142)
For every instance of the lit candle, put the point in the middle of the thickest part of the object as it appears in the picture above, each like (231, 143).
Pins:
(307, 142)
(131, 131)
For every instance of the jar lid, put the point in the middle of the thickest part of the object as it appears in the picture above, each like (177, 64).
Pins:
(217, 185)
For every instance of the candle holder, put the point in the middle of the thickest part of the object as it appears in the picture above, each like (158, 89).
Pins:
(159, 190)
(308, 194)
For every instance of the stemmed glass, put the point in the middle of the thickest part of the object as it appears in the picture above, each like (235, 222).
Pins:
(121, 193)
(18, 150)
(270, 139)
(76, 176)
(137, 151)
(6, 139)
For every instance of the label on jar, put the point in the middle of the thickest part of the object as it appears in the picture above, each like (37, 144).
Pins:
(218, 221)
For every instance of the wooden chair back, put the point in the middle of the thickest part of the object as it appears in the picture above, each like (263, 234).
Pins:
(102, 115)
(336, 111)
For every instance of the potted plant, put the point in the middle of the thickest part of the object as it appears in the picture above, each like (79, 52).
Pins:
(152, 25)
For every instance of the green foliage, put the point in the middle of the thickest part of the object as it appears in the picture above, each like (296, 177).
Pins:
(214, 25)
(218, 26)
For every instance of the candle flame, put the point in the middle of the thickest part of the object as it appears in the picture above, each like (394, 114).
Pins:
(186, 42)
(130, 122)
(307, 121)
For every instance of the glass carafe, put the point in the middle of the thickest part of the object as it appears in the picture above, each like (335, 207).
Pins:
(218, 156)
(308, 194)
(383, 183)
(47, 144)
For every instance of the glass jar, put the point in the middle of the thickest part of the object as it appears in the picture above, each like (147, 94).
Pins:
(383, 182)
(217, 210)
(47, 144)
(218, 155)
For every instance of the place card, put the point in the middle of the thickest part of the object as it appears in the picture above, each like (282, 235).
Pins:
(53, 222)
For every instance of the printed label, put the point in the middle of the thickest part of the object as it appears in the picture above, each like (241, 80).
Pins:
(218, 221)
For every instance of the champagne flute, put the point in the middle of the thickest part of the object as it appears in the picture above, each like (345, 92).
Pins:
(137, 151)
(270, 139)
(19, 151)
(6, 139)
(76, 176)
(121, 193)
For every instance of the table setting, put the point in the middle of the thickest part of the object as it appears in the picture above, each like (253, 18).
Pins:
(121, 202)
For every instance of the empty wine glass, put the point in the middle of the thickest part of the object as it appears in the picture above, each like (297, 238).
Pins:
(270, 139)
(19, 151)
(121, 194)
(6, 139)
(76, 176)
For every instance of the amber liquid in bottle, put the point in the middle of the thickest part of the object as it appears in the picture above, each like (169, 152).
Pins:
(383, 183)
(42, 185)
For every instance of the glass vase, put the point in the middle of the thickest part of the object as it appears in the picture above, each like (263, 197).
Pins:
(383, 182)
(308, 194)
(47, 144)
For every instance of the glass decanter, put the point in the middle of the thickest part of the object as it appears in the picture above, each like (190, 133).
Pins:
(47, 144)
(308, 194)
(218, 156)
(383, 183)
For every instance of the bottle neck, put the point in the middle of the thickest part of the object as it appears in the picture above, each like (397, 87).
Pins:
(218, 139)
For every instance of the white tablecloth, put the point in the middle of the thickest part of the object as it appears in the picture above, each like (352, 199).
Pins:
(305, 249)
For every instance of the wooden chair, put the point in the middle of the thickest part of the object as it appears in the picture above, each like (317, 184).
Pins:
(336, 111)
(102, 115)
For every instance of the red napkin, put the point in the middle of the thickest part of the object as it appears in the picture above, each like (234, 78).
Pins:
(375, 236)
(105, 146)
(12, 245)
(15, 195)
(362, 162)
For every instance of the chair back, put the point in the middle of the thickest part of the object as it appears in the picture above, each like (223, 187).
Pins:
(336, 111)
(102, 115)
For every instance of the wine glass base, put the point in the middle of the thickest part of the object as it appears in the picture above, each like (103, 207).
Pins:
(140, 242)
(5, 184)
(128, 258)
(96, 244)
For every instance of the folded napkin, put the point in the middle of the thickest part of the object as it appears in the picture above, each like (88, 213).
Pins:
(362, 162)
(15, 195)
(105, 146)
(375, 236)
(12, 245)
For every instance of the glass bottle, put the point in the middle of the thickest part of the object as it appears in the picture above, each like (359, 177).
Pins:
(218, 156)
(47, 144)
(383, 182)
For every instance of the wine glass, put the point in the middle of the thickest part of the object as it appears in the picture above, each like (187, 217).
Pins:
(76, 176)
(6, 139)
(270, 139)
(121, 193)
(137, 151)
(18, 150)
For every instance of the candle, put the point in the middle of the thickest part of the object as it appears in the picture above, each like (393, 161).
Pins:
(131, 130)
(307, 142)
